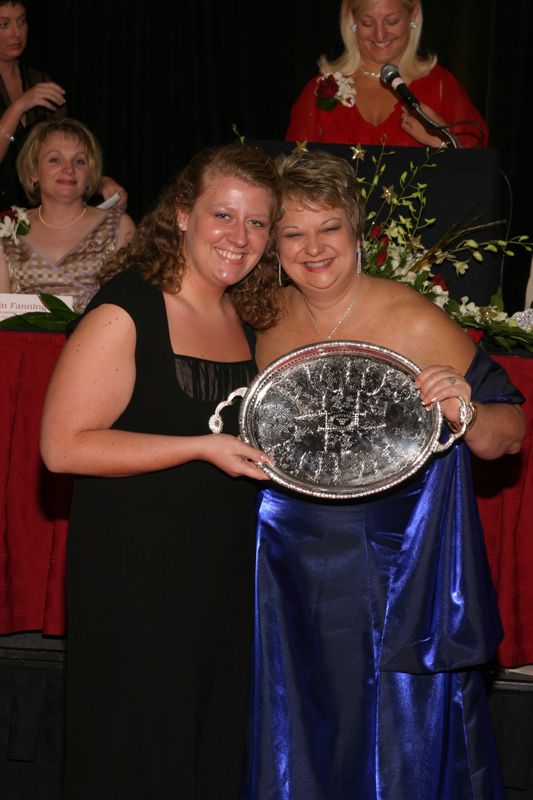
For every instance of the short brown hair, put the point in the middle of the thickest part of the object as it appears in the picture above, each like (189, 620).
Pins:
(308, 179)
(315, 178)
(72, 129)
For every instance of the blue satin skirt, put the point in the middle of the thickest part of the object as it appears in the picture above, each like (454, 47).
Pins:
(330, 717)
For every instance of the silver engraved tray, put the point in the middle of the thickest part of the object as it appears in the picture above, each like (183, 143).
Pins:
(341, 419)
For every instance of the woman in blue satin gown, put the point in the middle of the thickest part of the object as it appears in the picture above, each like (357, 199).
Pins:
(373, 615)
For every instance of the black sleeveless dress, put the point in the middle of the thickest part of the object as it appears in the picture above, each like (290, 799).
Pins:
(160, 586)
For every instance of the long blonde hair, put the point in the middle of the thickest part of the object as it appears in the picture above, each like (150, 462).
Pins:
(411, 65)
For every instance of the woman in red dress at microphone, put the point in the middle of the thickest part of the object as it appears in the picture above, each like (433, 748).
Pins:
(347, 103)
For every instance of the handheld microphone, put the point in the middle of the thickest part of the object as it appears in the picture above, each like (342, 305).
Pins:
(390, 74)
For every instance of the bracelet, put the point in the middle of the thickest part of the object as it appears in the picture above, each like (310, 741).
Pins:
(6, 134)
(472, 421)
(470, 417)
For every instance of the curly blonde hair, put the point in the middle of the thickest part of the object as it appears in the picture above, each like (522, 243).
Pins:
(156, 247)
(411, 64)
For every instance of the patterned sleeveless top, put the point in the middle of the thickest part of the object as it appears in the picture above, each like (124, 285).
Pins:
(75, 274)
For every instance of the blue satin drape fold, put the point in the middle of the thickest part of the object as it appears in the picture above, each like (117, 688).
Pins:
(370, 619)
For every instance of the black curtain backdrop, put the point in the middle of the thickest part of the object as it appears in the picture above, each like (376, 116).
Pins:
(157, 81)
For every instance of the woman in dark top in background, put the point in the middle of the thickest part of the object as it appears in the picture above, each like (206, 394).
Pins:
(27, 96)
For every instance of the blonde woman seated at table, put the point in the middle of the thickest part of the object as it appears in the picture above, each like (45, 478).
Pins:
(60, 167)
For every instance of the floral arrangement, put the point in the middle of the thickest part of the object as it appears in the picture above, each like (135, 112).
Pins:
(333, 88)
(14, 223)
(394, 250)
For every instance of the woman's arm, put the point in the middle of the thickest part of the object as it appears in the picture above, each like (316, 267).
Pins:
(126, 228)
(108, 187)
(46, 94)
(91, 386)
(5, 280)
(414, 127)
(499, 427)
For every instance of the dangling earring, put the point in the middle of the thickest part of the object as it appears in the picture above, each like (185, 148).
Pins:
(279, 272)
(354, 28)
(413, 25)
(359, 262)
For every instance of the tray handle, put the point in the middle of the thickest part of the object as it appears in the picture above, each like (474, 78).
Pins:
(215, 420)
(465, 416)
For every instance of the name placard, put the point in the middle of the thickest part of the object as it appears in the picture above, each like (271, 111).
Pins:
(14, 304)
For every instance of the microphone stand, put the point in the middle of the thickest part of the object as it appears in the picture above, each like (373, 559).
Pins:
(442, 131)
(390, 76)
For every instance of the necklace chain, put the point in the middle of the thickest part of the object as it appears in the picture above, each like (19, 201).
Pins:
(57, 227)
(368, 74)
(341, 318)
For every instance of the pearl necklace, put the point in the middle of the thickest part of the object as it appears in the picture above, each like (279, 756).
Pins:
(369, 74)
(339, 321)
(57, 227)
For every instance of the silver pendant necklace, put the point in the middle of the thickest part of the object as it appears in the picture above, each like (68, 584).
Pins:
(341, 319)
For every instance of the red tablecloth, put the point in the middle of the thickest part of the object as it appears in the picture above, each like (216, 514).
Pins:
(34, 505)
(504, 490)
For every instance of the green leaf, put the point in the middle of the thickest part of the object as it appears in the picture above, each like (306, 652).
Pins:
(40, 320)
(56, 305)
(453, 306)
(236, 132)
(55, 319)
(326, 103)
(497, 299)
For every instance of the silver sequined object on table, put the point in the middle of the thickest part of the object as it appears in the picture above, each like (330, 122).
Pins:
(524, 319)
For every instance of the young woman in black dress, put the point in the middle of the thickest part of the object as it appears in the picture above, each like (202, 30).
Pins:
(161, 539)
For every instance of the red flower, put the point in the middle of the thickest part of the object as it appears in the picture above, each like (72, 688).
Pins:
(438, 280)
(384, 240)
(327, 87)
(375, 231)
(381, 257)
(475, 334)
(11, 214)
